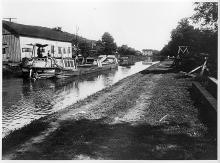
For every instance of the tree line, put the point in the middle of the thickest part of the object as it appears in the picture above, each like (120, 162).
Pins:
(105, 46)
(200, 34)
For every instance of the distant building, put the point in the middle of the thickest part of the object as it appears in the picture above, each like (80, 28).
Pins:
(18, 41)
(149, 54)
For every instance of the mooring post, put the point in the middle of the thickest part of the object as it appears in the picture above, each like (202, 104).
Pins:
(30, 72)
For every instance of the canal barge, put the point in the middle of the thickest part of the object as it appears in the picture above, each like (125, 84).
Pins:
(91, 65)
(126, 61)
(65, 67)
(146, 62)
(48, 67)
(38, 68)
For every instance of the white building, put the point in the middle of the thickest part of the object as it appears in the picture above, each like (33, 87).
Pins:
(147, 52)
(18, 41)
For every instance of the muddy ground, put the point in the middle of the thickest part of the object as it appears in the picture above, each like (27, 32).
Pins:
(149, 115)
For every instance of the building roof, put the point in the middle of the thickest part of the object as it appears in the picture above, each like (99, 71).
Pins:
(37, 32)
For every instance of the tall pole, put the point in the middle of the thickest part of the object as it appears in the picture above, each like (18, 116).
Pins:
(77, 44)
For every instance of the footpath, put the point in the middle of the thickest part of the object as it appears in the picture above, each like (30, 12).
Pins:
(147, 116)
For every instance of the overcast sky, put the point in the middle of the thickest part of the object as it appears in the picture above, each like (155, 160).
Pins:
(138, 23)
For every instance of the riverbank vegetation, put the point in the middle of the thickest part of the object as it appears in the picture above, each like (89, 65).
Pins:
(200, 34)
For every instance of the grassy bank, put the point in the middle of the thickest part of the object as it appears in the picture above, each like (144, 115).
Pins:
(36, 127)
(149, 115)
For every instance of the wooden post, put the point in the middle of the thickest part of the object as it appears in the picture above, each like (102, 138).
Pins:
(30, 72)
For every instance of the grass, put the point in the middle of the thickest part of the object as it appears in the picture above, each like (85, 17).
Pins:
(19, 136)
(94, 139)
(182, 135)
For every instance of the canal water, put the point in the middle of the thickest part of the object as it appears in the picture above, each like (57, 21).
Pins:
(24, 101)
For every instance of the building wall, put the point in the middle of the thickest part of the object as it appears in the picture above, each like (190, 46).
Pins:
(10, 47)
(61, 49)
(148, 52)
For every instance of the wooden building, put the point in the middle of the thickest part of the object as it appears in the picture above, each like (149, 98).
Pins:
(18, 41)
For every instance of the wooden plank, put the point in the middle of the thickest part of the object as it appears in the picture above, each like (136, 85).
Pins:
(213, 80)
(204, 96)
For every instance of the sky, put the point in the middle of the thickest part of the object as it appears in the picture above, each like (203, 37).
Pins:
(141, 24)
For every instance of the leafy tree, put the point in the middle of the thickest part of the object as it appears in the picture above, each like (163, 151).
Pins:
(84, 49)
(109, 46)
(125, 50)
(198, 40)
(99, 47)
(206, 14)
(122, 50)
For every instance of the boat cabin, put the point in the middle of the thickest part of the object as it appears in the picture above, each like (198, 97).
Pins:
(90, 60)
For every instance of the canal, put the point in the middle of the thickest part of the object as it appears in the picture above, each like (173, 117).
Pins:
(24, 101)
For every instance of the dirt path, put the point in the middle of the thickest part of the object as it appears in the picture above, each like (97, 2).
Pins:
(145, 116)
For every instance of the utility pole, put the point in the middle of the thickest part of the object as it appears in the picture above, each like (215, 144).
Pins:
(10, 19)
(77, 44)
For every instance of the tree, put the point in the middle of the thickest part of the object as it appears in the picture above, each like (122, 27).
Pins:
(99, 47)
(109, 46)
(122, 50)
(125, 50)
(206, 14)
(84, 49)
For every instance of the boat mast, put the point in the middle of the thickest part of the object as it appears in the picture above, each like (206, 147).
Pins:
(76, 42)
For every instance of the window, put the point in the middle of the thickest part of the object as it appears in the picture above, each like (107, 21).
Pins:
(52, 49)
(65, 62)
(71, 63)
(26, 50)
(59, 50)
(64, 51)
(69, 50)
(3, 50)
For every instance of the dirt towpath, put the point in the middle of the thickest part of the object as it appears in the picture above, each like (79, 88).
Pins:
(149, 115)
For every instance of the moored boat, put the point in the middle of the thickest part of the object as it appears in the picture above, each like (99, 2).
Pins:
(38, 67)
(65, 67)
(126, 61)
(147, 62)
(48, 67)
(109, 61)
(90, 65)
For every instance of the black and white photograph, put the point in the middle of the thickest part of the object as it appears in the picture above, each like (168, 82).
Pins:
(109, 80)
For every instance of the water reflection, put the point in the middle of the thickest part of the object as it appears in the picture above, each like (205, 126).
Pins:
(24, 101)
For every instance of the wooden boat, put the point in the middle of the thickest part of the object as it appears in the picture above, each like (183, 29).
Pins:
(48, 67)
(38, 67)
(126, 61)
(91, 65)
(89, 62)
(66, 67)
(147, 63)
(107, 61)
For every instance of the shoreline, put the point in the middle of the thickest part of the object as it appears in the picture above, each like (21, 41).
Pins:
(134, 100)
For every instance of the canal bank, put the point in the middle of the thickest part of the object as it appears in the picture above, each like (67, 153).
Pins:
(25, 100)
(149, 115)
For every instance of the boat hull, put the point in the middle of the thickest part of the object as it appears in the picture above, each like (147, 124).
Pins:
(147, 63)
(83, 70)
(66, 73)
(35, 72)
